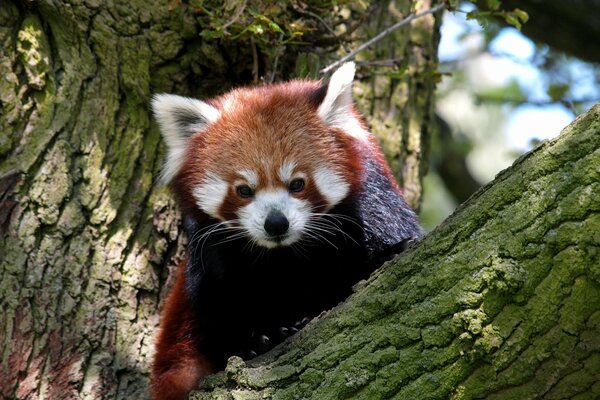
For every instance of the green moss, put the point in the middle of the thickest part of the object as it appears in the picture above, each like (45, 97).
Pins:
(312, 377)
(134, 72)
(471, 320)
(498, 320)
(34, 51)
(52, 184)
(246, 395)
(164, 44)
(583, 301)
(577, 385)
(437, 335)
(260, 377)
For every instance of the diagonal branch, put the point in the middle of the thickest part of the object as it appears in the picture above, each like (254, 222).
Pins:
(501, 301)
(381, 35)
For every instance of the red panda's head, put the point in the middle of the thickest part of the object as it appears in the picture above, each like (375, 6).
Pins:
(266, 160)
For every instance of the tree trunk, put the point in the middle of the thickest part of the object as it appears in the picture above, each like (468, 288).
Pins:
(88, 240)
(401, 118)
(502, 301)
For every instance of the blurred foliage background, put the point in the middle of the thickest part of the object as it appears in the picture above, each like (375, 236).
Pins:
(503, 90)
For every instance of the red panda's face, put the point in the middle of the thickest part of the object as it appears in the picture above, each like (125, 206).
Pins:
(269, 161)
(275, 205)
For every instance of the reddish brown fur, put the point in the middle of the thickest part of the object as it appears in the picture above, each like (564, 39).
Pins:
(176, 345)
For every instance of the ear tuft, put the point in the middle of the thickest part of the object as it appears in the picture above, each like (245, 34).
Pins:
(179, 118)
(339, 94)
(336, 108)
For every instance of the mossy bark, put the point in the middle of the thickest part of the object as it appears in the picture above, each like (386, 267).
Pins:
(502, 301)
(87, 238)
(402, 119)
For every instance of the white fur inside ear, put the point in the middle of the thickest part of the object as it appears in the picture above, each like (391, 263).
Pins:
(180, 118)
(336, 108)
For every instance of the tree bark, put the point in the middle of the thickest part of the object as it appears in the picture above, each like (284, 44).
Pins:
(401, 118)
(88, 240)
(502, 301)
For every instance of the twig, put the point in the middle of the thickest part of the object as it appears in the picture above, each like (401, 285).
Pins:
(254, 60)
(345, 38)
(381, 35)
(237, 15)
(279, 51)
(316, 16)
(381, 63)
(569, 103)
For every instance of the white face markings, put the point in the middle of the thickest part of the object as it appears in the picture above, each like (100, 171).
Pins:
(250, 176)
(253, 216)
(286, 171)
(332, 186)
(210, 194)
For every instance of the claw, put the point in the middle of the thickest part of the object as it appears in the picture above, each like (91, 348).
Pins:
(248, 354)
(284, 332)
(264, 343)
(300, 324)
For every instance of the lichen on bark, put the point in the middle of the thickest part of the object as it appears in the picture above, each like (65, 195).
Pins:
(88, 239)
(502, 301)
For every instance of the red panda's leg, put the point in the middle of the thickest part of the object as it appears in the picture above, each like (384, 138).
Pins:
(178, 366)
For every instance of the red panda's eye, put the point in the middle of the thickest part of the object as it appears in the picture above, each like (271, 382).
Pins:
(296, 185)
(244, 191)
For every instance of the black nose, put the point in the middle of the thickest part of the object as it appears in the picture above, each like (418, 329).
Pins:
(276, 223)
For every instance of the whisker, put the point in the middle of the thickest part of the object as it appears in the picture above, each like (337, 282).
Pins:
(297, 248)
(343, 217)
(317, 236)
(201, 236)
(322, 225)
(231, 238)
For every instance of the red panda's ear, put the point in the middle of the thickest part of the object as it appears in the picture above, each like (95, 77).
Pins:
(180, 118)
(336, 108)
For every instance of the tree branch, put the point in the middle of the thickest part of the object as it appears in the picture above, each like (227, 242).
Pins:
(503, 298)
(381, 35)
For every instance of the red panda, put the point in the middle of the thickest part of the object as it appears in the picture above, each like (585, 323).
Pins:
(287, 203)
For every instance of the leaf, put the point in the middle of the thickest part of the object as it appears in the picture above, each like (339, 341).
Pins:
(511, 92)
(522, 15)
(257, 29)
(453, 5)
(512, 20)
(557, 91)
(208, 34)
(270, 24)
(472, 15)
(493, 4)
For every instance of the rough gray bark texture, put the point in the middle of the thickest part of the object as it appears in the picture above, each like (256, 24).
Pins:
(87, 239)
(398, 116)
(502, 301)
